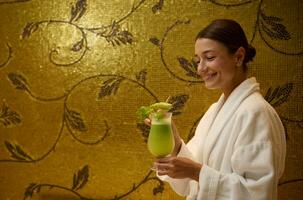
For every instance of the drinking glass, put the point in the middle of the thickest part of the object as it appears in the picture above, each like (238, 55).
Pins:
(161, 141)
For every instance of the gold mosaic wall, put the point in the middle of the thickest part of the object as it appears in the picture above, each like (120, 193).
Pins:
(73, 73)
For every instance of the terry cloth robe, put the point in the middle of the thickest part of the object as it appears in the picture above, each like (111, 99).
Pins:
(241, 146)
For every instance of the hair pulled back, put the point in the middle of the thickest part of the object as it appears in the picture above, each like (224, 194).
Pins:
(230, 34)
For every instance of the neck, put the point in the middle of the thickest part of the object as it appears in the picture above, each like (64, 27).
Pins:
(234, 83)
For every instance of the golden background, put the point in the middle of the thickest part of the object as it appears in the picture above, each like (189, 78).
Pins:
(73, 73)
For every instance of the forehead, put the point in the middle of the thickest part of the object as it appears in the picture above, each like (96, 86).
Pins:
(203, 45)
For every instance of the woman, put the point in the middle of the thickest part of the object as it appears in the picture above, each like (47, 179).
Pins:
(238, 150)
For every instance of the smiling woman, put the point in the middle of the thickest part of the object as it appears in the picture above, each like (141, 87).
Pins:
(222, 53)
(238, 150)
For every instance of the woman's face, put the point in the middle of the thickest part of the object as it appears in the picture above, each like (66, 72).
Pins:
(216, 66)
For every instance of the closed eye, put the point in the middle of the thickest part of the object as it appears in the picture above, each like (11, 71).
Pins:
(210, 58)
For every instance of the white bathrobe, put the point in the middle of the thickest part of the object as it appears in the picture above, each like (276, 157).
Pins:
(241, 146)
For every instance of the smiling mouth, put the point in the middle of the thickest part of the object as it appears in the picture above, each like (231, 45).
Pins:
(209, 76)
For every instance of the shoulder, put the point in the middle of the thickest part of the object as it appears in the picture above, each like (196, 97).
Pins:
(255, 105)
(257, 120)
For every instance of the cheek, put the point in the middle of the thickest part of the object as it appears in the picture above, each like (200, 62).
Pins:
(225, 66)
(217, 65)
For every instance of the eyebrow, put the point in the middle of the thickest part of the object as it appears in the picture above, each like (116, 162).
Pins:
(206, 51)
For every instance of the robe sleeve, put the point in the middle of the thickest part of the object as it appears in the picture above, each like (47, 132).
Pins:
(255, 163)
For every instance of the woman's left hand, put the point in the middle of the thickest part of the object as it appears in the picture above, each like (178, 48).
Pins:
(178, 167)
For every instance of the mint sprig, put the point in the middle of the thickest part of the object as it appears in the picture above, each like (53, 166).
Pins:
(157, 109)
(144, 112)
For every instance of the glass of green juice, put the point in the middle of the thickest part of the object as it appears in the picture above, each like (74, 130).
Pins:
(161, 141)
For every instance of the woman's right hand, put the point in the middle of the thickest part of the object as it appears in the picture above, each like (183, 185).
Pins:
(147, 121)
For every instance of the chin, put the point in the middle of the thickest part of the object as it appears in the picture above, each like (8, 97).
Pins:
(211, 85)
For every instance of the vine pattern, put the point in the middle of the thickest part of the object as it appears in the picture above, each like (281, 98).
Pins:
(112, 33)
(80, 179)
(216, 2)
(189, 67)
(10, 53)
(13, 1)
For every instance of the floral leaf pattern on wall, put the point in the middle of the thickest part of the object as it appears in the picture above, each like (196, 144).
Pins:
(189, 67)
(31, 190)
(273, 28)
(141, 76)
(178, 103)
(22, 159)
(18, 81)
(80, 178)
(279, 95)
(75, 120)
(29, 29)
(158, 6)
(8, 116)
(110, 86)
(155, 41)
(116, 36)
(78, 10)
(144, 130)
(159, 188)
(78, 45)
(17, 152)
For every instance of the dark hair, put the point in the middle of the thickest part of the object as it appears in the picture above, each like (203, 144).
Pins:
(230, 34)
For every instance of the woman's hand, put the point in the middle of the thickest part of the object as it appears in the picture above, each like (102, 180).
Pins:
(178, 167)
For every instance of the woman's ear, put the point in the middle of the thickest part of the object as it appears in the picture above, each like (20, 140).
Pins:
(239, 56)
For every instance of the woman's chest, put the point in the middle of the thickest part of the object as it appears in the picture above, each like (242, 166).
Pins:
(218, 146)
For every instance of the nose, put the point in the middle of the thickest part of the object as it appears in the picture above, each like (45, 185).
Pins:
(201, 67)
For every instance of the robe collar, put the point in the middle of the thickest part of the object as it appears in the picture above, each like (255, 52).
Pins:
(224, 111)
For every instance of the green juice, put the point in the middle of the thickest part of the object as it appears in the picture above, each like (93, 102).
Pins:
(160, 140)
